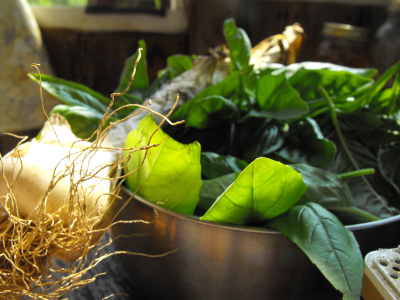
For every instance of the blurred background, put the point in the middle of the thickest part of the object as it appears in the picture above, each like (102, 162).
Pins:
(87, 41)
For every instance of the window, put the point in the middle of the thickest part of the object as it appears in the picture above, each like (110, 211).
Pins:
(157, 16)
(59, 2)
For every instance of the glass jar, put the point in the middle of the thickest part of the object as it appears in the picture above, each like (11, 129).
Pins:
(343, 44)
(385, 48)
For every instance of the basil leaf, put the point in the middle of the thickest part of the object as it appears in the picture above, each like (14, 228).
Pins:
(368, 193)
(239, 45)
(210, 112)
(278, 99)
(292, 69)
(372, 91)
(211, 189)
(171, 172)
(257, 137)
(340, 85)
(329, 245)
(214, 165)
(323, 187)
(141, 80)
(72, 93)
(389, 162)
(379, 103)
(394, 103)
(227, 88)
(83, 120)
(306, 144)
(332, 192)
(385, 131)
(176, 65)
(264, 190)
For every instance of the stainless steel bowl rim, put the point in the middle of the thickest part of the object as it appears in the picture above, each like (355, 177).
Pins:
(195, 219)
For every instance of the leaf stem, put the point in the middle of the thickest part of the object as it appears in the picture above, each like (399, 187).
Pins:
(357, 173)
(332, 112)
(356, 211)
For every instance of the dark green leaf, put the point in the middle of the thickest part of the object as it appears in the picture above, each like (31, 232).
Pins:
(389, 165)
(239, 45)
(264, 190)
(323, 187)
(328, 244)
(212, 189)
(214, 165)
(83, 120)
(359, 122)
(386, 133)
(211, 111)
(227, 88)
(330, 191)
(257, 137)
(72, 93)
(278, 99)
(306, 144)
(368, 193)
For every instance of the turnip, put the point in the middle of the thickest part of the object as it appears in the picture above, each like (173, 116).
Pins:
(56, 201)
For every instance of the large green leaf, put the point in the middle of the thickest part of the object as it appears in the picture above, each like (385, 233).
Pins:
(171, 172)
(239, 45)
(328, 244)
(214, 165)
(278, 99)
(264, 190)
(72, 93)
(292, 69)
(340, 85)
(306, 144)
(212, 189)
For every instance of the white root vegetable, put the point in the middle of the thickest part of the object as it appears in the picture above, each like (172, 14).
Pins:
(61, 167)
(56, 200)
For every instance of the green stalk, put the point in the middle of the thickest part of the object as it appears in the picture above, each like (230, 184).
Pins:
(332, 112)
(357, 173)
(356, 211)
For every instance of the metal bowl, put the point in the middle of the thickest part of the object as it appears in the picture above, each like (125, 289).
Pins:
(214, 261)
